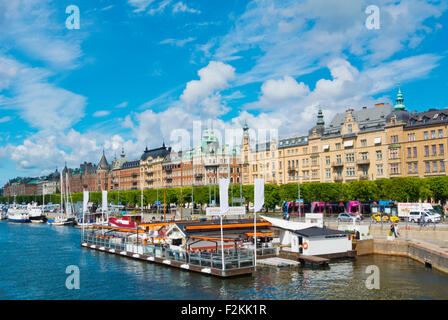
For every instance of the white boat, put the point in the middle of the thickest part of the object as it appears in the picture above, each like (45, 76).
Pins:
(36, 214)
(18, 215)
(61, 221)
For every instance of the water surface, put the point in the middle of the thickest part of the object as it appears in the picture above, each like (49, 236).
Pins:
(35, 256)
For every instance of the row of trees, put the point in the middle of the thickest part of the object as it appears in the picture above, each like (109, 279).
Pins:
(406, 189)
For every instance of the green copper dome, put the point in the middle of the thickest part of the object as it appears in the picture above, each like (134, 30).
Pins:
(399, 102)
(320, 118)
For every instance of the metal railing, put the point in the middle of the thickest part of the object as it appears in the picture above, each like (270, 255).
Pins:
(233, 259)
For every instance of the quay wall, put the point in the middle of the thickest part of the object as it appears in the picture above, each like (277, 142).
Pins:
(422, 252)
(428, 233)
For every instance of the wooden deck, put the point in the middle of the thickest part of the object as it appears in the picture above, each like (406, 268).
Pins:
(175, 264)
(304, 260)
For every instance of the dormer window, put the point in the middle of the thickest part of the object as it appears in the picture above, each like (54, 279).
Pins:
(350, 128)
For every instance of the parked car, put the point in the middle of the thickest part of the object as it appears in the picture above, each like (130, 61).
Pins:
(416, 216)
(348, 217)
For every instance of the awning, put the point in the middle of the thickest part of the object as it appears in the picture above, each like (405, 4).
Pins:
(260, 234)
(348, 144)
(377, 140)
(326, 147)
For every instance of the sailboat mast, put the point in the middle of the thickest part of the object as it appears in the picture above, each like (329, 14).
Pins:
(66, 194)
(62, 195)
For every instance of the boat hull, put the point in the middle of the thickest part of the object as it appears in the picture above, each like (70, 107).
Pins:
(19, 220)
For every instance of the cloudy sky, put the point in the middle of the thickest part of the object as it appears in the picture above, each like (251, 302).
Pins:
(139, 72)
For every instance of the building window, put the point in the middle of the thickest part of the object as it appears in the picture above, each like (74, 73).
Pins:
(338, 146)
(350, 171)
(327, 160)
(425, 134)
(315, 174)
(364, 155)
(409, 152)
(411, 136)
(379, 155)
(394, 169)
(434, 149)
(315, 149)
(434, 166)
(433, 134)
(394, 139)
(328, 173)
(350, 128)
(442, 165)
(363, 143)
(393, 153)
(427, 166)
(415, 152)
(338, 158)
(440, 133)
(415, 167)
(426, 151)
(350, 157)
(379, 169)
(410, 167)
(441, 149)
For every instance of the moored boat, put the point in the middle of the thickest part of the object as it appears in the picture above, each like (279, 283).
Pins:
(18, 216)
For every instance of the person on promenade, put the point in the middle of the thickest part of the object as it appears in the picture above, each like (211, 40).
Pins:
(395, 231)
(423, 220)
(392, 229)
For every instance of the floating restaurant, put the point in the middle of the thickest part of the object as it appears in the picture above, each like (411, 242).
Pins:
(189, 245)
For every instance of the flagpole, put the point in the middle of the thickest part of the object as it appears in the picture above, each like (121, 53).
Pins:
(255, 239)
(222, 246)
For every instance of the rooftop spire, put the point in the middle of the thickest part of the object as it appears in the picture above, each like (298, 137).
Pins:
(320, 118)
(399, 102)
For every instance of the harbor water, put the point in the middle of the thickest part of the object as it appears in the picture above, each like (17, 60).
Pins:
(35, 257)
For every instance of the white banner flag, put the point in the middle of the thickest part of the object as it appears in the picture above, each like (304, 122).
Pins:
(224, 195)
(85, 201)
(104, 203)
(258, 194)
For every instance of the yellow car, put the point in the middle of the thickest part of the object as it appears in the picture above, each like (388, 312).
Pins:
(384, 218)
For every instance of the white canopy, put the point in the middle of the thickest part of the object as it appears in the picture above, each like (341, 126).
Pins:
(377, 140)
(288, 225)
(348, 144)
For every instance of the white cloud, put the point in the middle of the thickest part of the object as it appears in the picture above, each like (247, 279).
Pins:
(39, 34)
(296, 38)
(140, 5)
(5, 119)
(182, 7)
(177, 42)
(285, 88)
(101, 113)
(215, 76)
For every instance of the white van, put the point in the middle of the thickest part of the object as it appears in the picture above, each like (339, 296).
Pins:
(416, 216)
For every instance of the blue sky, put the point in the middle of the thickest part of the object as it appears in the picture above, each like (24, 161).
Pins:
(138, 72)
